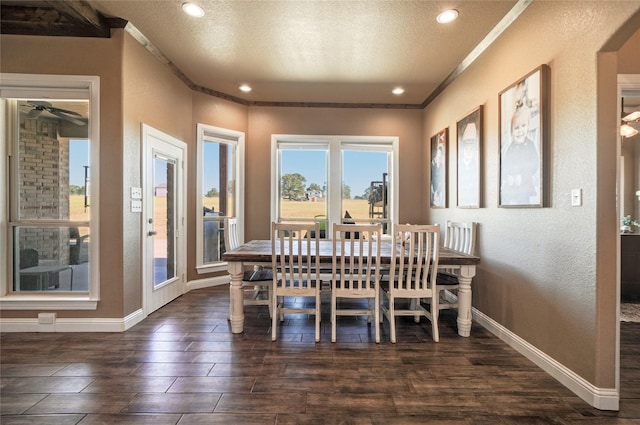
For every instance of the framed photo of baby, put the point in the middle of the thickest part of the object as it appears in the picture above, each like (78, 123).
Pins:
(469, 130)
(438, 184)
(523, 126)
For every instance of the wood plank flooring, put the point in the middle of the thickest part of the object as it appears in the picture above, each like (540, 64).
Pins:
(183, 366)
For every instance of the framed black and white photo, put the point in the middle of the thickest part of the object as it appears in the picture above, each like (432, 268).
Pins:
(469, 134)
(523, 126)
(438, 186)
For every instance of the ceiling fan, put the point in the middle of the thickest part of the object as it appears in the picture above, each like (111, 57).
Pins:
(630, 121)
(40, 106)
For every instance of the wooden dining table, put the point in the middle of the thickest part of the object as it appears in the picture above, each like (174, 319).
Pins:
(258, 252)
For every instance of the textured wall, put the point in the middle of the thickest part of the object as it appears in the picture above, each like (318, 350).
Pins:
(548, 274)
(86, 56)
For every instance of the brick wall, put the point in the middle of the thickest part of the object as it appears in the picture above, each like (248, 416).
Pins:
(43, 187)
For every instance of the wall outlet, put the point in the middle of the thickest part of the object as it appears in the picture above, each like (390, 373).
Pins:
(46, 318)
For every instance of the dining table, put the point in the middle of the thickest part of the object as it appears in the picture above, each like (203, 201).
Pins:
(259, 253)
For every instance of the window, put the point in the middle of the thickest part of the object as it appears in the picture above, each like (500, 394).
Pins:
(220, 190)
(51, 142)
(333, 179)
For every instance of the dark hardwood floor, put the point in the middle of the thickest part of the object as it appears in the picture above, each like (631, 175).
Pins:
(183, 366)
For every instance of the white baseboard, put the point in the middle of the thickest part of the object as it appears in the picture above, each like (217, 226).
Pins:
(600, 398)
(210, 281)
(90, 324)
(85, 324)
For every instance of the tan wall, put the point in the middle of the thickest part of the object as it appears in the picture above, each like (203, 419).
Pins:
(86, 56)
(264, 121)
(217, 112)
(548, 274)
(152, 95)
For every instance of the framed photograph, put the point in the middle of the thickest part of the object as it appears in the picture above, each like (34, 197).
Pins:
(469, 133)
(523, 126)
(438, 186)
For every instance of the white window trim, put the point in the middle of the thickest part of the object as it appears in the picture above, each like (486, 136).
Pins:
(335, 146)
(57, 86)
(234, 137)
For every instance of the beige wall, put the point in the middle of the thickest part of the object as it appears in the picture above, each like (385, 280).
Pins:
(549, 274)
(152, 95)
(220, 113)
(86, 56)
(263, 122)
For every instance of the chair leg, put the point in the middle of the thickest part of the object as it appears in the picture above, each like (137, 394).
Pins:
(274, 317)
(333, 318)
(370, 307)
(435, 309)
(274, 324)
(318, 317)
(392, 319)
(376, 319)
(269, 294)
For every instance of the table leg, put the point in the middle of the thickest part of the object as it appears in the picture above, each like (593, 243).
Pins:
(465, 275)
(236, 305)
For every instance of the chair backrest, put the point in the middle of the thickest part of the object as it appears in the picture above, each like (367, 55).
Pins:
(295, 252)
(29, 257)
(461, 236)
(414, 257)
(356, 256)
(231, 234)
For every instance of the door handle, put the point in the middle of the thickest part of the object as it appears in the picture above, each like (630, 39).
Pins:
(152, 233)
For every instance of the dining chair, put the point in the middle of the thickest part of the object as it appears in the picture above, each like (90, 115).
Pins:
(355, 272)
(256, 282)
(295, 259)
(460, 237)
(412, 275)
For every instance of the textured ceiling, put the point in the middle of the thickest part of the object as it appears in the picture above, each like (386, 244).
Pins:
(314, 51)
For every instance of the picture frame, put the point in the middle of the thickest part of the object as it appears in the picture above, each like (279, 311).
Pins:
(523, 110)
(469, 151)
(438, 162)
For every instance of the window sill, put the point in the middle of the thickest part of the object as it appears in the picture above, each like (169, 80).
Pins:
(212, 268)
(31, 302)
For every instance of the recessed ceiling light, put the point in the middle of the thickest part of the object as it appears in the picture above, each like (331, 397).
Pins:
(447, 16)
(245, 88)
(397, 90)
(193, 9)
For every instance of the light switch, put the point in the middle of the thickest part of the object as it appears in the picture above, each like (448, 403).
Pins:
(576, 197)
(136, 205)
(136, 193)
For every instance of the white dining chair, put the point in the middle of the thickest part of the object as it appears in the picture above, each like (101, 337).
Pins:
(355, 272)
(295, 259)
(460, 237)
(412, 276)
(256, 282)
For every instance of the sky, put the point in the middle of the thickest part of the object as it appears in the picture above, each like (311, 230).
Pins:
(78, 158)
(360, 167)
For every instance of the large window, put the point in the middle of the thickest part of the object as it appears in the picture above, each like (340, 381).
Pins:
(220, 189)
(332, 179)
(51, 145)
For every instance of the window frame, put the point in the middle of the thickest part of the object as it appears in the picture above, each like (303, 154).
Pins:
(13, 86)
(335, 146)
(236, 139)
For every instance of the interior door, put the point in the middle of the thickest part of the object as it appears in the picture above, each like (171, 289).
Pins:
(164, 247)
